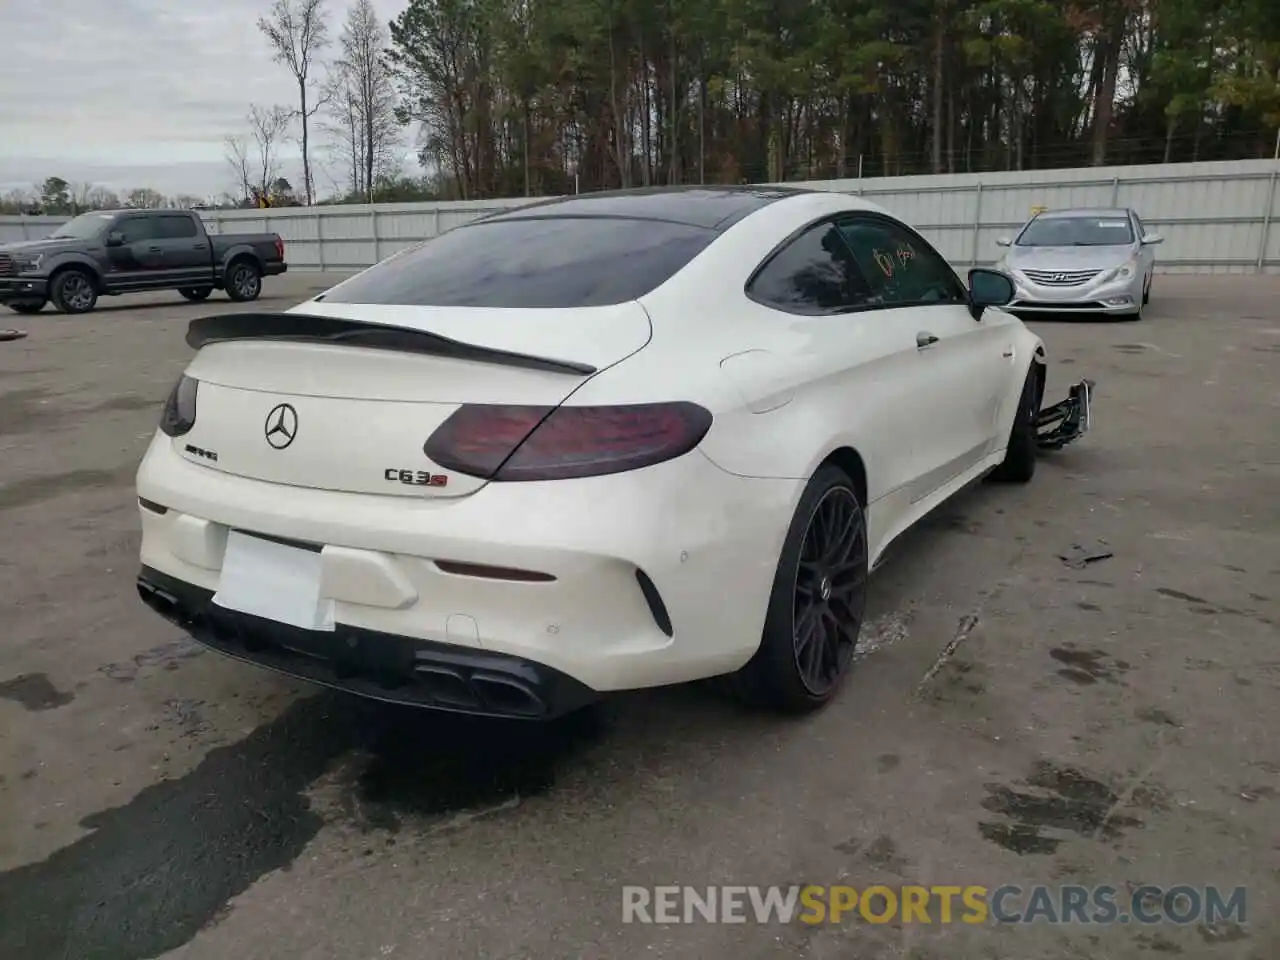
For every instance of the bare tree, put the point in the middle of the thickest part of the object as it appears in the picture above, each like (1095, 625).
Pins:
(298, 30)
(102, 198)
(267, 127)
(364, 97)
(237, 153)
(145, 198)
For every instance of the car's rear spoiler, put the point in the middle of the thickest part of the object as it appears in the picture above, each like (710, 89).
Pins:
(1058, 425)
(305, 328)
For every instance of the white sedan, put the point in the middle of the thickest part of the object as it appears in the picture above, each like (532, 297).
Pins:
(612, 441)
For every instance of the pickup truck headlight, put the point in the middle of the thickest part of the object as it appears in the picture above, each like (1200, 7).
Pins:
(27, 262)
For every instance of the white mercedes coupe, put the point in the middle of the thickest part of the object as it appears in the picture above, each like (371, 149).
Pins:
(606, 442)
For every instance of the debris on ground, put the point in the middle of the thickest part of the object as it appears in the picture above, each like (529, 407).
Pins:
(12, 335)
(1078, 557)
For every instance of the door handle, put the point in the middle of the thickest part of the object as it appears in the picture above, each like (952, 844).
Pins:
(925, 340)
(154, 249)
(199, 246)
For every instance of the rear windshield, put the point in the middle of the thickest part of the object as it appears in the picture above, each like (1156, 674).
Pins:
(1076, 232)
(531, 262)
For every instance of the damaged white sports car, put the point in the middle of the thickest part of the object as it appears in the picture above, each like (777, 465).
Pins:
(612, 441)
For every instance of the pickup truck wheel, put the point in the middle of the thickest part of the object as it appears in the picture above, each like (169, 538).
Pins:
(244, 281)
(73, 291)
(27, 306)
(196, 294)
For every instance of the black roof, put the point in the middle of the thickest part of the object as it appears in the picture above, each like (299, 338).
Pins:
(710, 207)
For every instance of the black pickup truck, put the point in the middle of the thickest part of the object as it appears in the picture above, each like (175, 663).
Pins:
(110, 252)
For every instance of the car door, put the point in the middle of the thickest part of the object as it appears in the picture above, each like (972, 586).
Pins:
(138, 260)
(962, 368)
(852, 369)
(185, 250)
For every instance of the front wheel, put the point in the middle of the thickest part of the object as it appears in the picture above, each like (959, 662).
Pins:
(1019, 464)
(27, 306)
(244, 281)
(73, 291)
(196, 294)
(817, 603)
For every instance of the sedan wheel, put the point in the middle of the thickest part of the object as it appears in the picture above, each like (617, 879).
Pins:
(816, 606)
(830, 591)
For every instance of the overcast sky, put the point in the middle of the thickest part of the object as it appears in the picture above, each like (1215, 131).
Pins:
(139, 93)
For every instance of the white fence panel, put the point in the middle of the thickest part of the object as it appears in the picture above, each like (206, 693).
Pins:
(1217, 217)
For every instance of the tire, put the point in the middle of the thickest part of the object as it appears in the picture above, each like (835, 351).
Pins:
(1146, 291)
(73, 291)
(816, 605)
(243, 281)
(27, 306)
(1019, 464)
(196, 294)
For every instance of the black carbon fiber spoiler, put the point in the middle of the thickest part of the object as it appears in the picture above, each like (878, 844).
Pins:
(305, 328)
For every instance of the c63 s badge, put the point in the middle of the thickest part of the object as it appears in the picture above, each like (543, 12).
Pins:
(415, 478)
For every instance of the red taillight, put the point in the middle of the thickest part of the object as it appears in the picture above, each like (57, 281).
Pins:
(280, 247)
(507, 443)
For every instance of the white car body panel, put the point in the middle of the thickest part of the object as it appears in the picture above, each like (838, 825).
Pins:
(786, 393)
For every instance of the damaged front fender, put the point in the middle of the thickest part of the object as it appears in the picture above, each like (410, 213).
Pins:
(1068, 420)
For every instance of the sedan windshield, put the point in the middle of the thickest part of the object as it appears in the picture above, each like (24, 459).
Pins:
(84, 227)
(1076, 232)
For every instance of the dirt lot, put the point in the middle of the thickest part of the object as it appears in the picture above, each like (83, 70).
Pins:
(1111, 724)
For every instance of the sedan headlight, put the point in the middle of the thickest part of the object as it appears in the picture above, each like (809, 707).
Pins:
(1123, 272)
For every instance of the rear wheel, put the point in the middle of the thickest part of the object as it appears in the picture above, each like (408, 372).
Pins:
(73, 291)
(244, 281)
(1019, 464)
(195, 294)
(816, 607)
(27, 306)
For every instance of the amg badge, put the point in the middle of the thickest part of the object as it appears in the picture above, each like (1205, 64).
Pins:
(416, 478)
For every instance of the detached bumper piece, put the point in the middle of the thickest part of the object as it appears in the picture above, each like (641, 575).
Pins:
(1060, 424)
(380, 666)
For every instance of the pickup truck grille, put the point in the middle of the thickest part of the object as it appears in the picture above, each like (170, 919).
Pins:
(1061, 278)
(6, 265)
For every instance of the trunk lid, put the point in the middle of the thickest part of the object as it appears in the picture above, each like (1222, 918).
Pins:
(343, 397)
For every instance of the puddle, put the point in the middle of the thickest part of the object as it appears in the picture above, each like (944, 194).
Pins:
(151, 873)
(34, 691)
(1087, 666)
(1052, 802)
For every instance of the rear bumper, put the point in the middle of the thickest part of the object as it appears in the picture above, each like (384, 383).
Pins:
(274, 269)
(23, 288)
(646, 578)
(381, 666)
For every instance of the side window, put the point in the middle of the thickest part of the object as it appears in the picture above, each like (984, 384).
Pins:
(813, 274)
(137, 229)
(176, 228)
(901, 268)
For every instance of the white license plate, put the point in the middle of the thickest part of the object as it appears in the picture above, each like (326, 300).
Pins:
(273, 581)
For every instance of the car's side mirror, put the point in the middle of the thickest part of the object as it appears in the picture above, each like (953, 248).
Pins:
(1151, 239)
(115, 239)
(988, 288)
(1004, 242)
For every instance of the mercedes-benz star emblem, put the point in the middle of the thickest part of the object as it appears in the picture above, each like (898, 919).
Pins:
(281, 426)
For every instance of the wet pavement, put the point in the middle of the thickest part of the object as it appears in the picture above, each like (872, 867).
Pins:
(1016, 717)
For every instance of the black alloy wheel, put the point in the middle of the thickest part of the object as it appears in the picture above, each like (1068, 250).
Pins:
(830, 591)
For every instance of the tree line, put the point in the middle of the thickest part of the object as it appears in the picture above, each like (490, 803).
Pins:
(537, 97)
